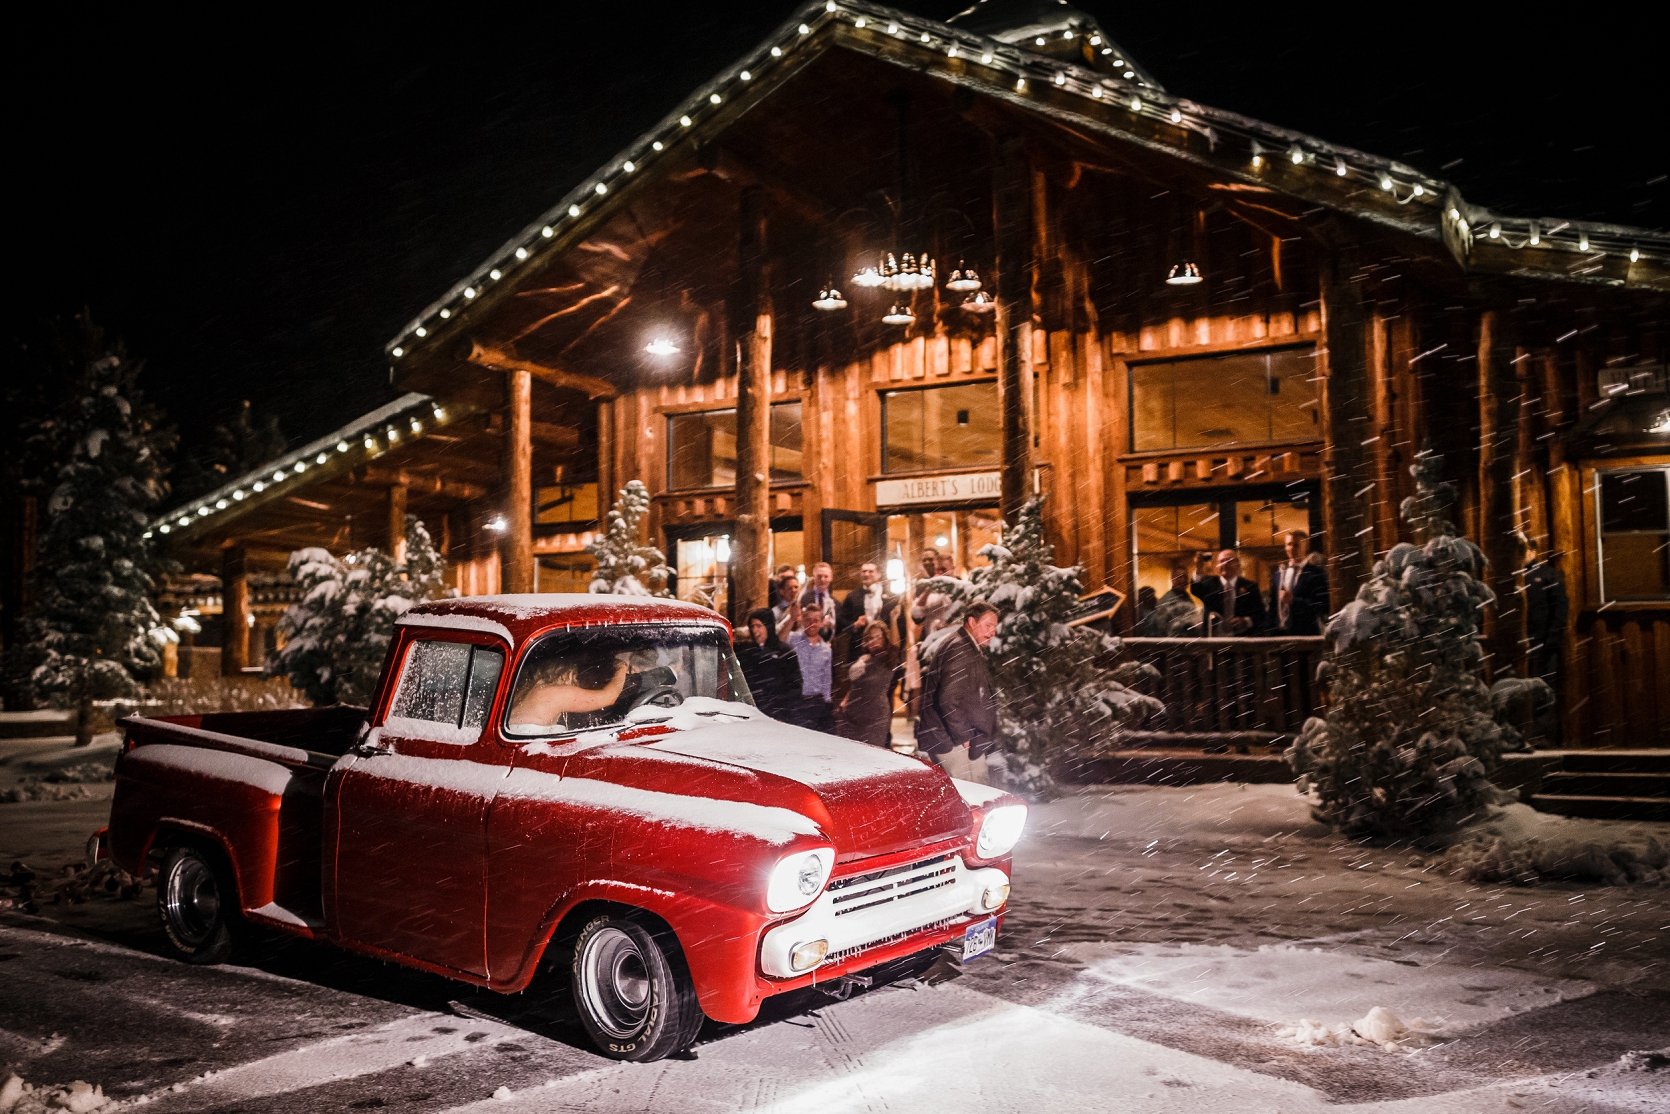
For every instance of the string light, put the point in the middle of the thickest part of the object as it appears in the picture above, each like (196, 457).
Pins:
(1096, 91)
(521, 253)
(1339, 167)
(713, 98)
(684, 120)
(986, 58)
(370, 442)
(1297, 156)
(805, 30)
(301, 466)
(445, 313)
(258, 486)
(1258, 155)
(321, 458)
(417, 427)
(744, 75)
(220, 504)
(494, 274)
(1536, 234)
(1582, 241)
(1020, 85)
(342, 446)
(1417, 191)
(1495, 231)
(469, 292)
(1061, 79)
(1176, 116)
(573, 210)
(165, 528)
(202, 510)
(238, 495)
(859, 22)
(1136, 104)
(1385, 183)
(440, 415)
(952, 52)
(658, 146)
(399, 352)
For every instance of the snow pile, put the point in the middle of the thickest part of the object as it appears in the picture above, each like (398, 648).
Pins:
(46, 789)
(1520, 845)
(80, 1097)
(1381, 1028)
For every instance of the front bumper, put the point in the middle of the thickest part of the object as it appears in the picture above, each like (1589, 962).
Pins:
(914, 905)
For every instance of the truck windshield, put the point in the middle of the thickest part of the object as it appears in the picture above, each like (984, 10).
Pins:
(589, 679)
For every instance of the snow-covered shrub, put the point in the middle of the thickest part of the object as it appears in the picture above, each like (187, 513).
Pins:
(1411, 734)
(339, 632)
(90, 632)
(1057, 686)
(625, 566)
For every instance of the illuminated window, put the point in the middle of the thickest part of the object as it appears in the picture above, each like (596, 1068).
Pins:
(702, 447)
(942, 427)
(1634, 534)
(1239, 398)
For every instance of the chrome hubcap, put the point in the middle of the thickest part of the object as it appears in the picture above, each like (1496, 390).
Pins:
(615, 983)
(192, 901)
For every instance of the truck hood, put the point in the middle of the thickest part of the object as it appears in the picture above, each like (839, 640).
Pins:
(868, 800)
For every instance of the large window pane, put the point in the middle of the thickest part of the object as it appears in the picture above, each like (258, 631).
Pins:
(702, 447)
(942, 427)
(1166, 535)
(1238, 398)
(1635, 535)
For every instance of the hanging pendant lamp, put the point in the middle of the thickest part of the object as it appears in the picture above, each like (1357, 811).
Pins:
(899, 315)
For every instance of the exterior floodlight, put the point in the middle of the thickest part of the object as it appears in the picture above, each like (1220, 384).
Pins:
(661, 346)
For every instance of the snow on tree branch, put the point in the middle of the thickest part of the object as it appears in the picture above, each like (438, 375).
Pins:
(625, 566)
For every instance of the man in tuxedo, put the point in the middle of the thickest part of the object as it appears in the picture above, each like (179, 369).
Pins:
(870, 603)
(1233, 604)
(1299, 592)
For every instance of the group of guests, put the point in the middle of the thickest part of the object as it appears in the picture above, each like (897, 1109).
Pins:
(789, 657)
(1214, 599)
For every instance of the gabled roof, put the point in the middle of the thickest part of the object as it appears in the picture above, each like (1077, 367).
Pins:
(1055, 28)
(1251, 153)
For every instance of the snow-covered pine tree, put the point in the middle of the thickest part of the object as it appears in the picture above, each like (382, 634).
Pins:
(1411, 733)
(339, 633)
(1056, 685)
(625, 566)
(90, 632)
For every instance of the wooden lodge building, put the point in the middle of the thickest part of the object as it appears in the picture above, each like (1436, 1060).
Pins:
(1186, 328)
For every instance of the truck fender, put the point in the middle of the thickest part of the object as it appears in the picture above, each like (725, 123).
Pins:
(720, 942)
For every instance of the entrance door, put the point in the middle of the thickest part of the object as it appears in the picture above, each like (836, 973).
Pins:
(851, 538)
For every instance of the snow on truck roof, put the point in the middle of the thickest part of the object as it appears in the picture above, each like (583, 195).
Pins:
(517, 618)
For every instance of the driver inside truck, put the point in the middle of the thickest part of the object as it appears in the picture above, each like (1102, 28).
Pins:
(555, 691)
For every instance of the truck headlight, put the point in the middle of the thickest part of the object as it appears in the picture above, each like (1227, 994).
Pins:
(999, 831)
(798, 879)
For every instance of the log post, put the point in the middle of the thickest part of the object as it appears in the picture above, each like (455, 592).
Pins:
(1498, 438)
(397, 523)
(1381, 436)
(516, 545)
(1348, 485)
(605, 460)
(751, 542)
(1012, 218)
(234, 612)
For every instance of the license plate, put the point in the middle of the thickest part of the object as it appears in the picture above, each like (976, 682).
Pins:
(979, 939)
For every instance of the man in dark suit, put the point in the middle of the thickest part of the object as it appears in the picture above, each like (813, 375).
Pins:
(1233, 604)
(1299, 590)
(818, 595)
(869, 603)
(958, 720)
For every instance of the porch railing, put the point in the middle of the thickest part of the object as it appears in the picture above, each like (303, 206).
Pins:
(1223, 693)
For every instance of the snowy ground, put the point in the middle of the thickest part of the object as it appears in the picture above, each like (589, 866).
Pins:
(1158, 943)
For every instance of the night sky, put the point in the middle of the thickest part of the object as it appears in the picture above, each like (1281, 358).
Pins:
(258, 208)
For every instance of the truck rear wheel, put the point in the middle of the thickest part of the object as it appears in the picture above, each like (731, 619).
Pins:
(633, 990)
(197, 902)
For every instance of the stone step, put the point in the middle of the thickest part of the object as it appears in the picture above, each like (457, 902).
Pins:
(1633, 784)
(1639, 761)
(33, 725)
(1603, 808)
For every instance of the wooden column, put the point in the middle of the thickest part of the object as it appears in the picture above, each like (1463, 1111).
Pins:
(751, 541)
(234, 612)
(1564, 549)
(397, 523)
(1381, 435)
(1347, 482)
(1529, 477)
(605, 459)
(516, 544)
(1498, 439)
(1012, 218)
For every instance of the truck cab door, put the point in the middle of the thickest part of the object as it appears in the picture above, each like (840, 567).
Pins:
(408, 809)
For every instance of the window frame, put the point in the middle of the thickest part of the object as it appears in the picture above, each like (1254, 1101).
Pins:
(396, 671)
(671, 413)
(1134, 362)
(882, 471)
(1596, 508)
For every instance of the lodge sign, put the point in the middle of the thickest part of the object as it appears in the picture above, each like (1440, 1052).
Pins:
(970, 487)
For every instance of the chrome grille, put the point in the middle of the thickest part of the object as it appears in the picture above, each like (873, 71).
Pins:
(879, 887)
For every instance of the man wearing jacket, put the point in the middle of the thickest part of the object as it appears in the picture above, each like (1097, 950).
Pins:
(1233, 605)
(958, 719)
(1299, 592)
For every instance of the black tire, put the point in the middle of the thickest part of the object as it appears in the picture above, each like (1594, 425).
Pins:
(198, 904)
(633, 990)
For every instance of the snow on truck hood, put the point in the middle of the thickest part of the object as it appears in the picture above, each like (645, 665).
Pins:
(769, 747)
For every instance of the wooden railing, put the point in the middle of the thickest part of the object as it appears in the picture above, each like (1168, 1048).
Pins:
(1227, 692)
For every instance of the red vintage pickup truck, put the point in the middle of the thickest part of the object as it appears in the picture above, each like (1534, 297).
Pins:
(584, 772)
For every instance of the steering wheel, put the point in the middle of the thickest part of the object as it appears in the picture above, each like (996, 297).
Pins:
(662, 696)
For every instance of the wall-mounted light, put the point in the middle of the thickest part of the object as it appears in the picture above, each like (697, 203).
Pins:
(497, 524)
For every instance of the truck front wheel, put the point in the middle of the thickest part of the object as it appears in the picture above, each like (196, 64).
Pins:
(633, 990)
(197, 902)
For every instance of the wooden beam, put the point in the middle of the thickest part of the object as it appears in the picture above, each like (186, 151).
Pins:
(397, 523)
(416, 483)
(504, 359)
(1346, 514)
(517, 545)
(1498, 437)
(751, 542)
(234, 612)
(1012, 217)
